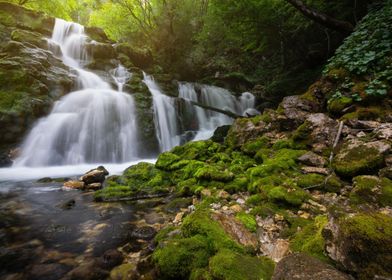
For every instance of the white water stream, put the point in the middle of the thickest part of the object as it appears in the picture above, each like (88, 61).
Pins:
(91, 125)
(96, 124)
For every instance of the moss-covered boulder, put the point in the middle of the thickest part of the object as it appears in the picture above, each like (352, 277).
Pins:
(304, 267)
(139, 181)
(371, 190)
(361, 244)
(357, 157)
(230, 265)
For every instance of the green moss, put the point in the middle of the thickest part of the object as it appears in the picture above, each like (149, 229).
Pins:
(255, 200)
(296, 224)
(291, 196)
(366, 113)
(176, 204)
(197, 150)
(229, 265)
(177, 258)
(165, 160)
(368, 239)
(214, 173)
(302, 132)
(310, 240)
(282, 160)
(364, 189)
(333, 184)
(139, 180)
(247, 220)
(251, 147)
(337, 105)
(311, 180)
(386, 192)
(357, 160)
(200, 274)
(201, 223)
(239, 184)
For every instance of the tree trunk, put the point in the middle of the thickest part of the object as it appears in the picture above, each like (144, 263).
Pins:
(323, 19)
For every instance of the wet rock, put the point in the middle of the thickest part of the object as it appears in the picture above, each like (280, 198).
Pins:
(384, 131)
(96, 175)
(299, 266)
(154, 218)
(94, 186)
(361, 243)
(87, 271)
(220, 133)
(68, 204)
(357, 157)
(126, 271)
(145, 233)
(74, 184)
(51, 271)
(110, 259)
(236, 230)
(312, 159)
(178, 218)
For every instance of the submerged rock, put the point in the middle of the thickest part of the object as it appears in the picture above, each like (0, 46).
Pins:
(300, 266)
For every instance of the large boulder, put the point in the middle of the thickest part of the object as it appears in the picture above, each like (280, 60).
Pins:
(361, 244)
(96, 175)
(300, 266)
(357, 157)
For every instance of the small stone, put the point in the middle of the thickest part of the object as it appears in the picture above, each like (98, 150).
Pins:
(240, 201)
(205, 193)
(74, 184)
(225, 208)
(95, 175)
(318, 170)
(278, 218)
(361, 134)
(305, 215)
(223, 194)
(94, 186)
(236, 208)
(312, 159)
(178, 218)
(145, 233)
(216, 206)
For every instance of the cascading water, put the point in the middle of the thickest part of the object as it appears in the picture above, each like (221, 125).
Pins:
(215, 97)
(92, 125)
(165, 116)
(121, 76)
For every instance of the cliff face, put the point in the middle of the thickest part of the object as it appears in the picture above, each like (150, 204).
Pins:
(31, 77)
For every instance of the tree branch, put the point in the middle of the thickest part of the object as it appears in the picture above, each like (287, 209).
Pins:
(321, 18)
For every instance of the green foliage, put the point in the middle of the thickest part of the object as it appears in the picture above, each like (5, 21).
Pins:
(367, 52)
(310, 240)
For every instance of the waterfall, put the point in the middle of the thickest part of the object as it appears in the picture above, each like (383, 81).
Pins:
(216, 97)
(94, 124)
(165, 116)
(121, 76)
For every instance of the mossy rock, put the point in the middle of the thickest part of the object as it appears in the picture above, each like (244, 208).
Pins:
(371, 190)
(214, 173)
(309, 239)
(311, 180)
(165, 160)
(247, 220)
(177, 258)
(337, 105)
(139, 181)
(289, 196)
(362, 244)
(230, 265)
(356, 158)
